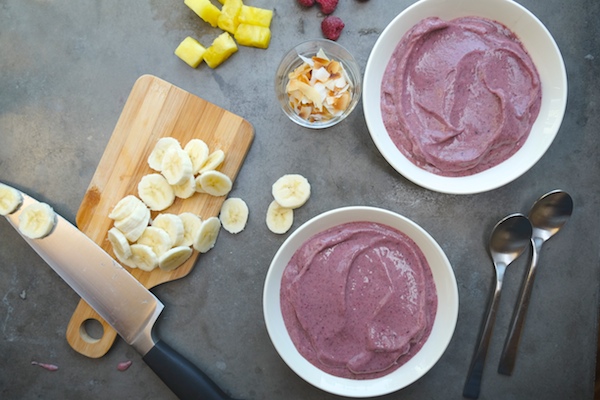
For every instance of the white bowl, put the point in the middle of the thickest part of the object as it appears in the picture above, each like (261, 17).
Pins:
(541, 47)
(416, 367)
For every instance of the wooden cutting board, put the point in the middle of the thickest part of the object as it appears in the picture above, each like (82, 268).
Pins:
(154, 109)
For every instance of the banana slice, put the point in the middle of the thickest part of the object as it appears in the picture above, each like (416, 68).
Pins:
(214, 161)
(185, 190)
(10, 199)
(125, 206)
(156, 192)
(198, 152)
(279, 219)
(176, 166)
(156, 156)
(37, 220)
(133, 225)
(143, 257)
(120, 244)
(214, 183)
(173, 225)
(291, 191)
(191, 227)
(234, 215)
(157, 239)
(207, 235)
(174, 258)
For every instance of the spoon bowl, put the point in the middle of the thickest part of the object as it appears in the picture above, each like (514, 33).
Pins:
(509, 239)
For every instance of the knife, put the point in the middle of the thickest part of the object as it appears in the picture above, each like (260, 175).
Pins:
(121, 300)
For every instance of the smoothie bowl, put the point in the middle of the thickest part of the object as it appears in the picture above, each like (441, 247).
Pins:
(360, 302)
(464, 97)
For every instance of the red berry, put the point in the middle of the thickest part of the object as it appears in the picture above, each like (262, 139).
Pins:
(306, 3)
(332, 27)
(327, 6)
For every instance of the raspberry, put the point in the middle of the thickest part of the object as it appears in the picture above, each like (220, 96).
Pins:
(332, 27)
(306, 3)
(327, 6)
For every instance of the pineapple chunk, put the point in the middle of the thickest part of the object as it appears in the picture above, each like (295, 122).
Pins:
(190, 51)
(205, 10)
(253, 35)
(255, 16)
(228, 20)
(220, 50)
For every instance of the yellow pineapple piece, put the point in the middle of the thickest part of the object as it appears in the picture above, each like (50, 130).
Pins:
(255, 16)
(190, 51)
(205, 10)
(228, 20)
(253, 35)
(220, 50)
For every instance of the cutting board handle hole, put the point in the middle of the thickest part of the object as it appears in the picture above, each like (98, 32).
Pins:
(91, 330)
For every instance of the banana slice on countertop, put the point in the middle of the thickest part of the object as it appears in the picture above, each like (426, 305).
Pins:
(156, 156)
(176, 166)
(214, 161)
(234, 215)
(142, 257)
(207, 235)
(279, 219)
(156, 192)
(214, 183)
(291, 190)
(120, 244)
(133, 225)
(37, 220)
(191, 227)
(10, 199)
(173, 225)
(174, 257)
(157, 239)
(198, 151)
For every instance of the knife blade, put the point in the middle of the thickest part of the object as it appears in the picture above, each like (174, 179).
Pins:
(121, 300)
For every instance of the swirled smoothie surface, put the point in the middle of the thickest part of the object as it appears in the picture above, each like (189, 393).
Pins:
(459, 97)
(358, 300)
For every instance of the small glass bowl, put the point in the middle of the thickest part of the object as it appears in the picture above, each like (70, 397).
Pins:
(291, 61)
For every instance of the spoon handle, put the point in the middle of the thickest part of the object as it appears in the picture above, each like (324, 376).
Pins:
(473, 383)
(509, 352)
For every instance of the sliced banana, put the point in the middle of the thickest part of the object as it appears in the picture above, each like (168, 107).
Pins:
(291, 190)
(156, 156)
(207, 235)
(279, 219)
(214, 161)
(174, 258)
(125, 207)
(198, 152)
(234, 215)
(37, 220)
(191, 227)
(142, 257)
(185, 190)
(214, 183)
(157, 239)
(133, 225)
(176, 166)
(10, 199)
(120, 244)
(156, 192)
(173, 225)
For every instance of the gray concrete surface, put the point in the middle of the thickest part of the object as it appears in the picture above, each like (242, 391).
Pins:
(66, 69)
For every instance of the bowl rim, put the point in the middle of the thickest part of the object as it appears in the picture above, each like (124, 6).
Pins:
(532, 32)
(415, 368)
(349, 63)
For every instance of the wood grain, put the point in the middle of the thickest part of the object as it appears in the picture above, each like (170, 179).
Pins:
(154, 109)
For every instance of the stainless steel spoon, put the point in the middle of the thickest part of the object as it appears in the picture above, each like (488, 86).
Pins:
(509, 238)
(548, 214)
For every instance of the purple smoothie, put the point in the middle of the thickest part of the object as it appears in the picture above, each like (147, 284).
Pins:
(358, 300)
(459, 97)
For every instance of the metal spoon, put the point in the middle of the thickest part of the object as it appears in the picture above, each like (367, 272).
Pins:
(548, 214)
(509, 238)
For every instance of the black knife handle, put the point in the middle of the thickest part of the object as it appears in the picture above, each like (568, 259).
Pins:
(181, 376)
